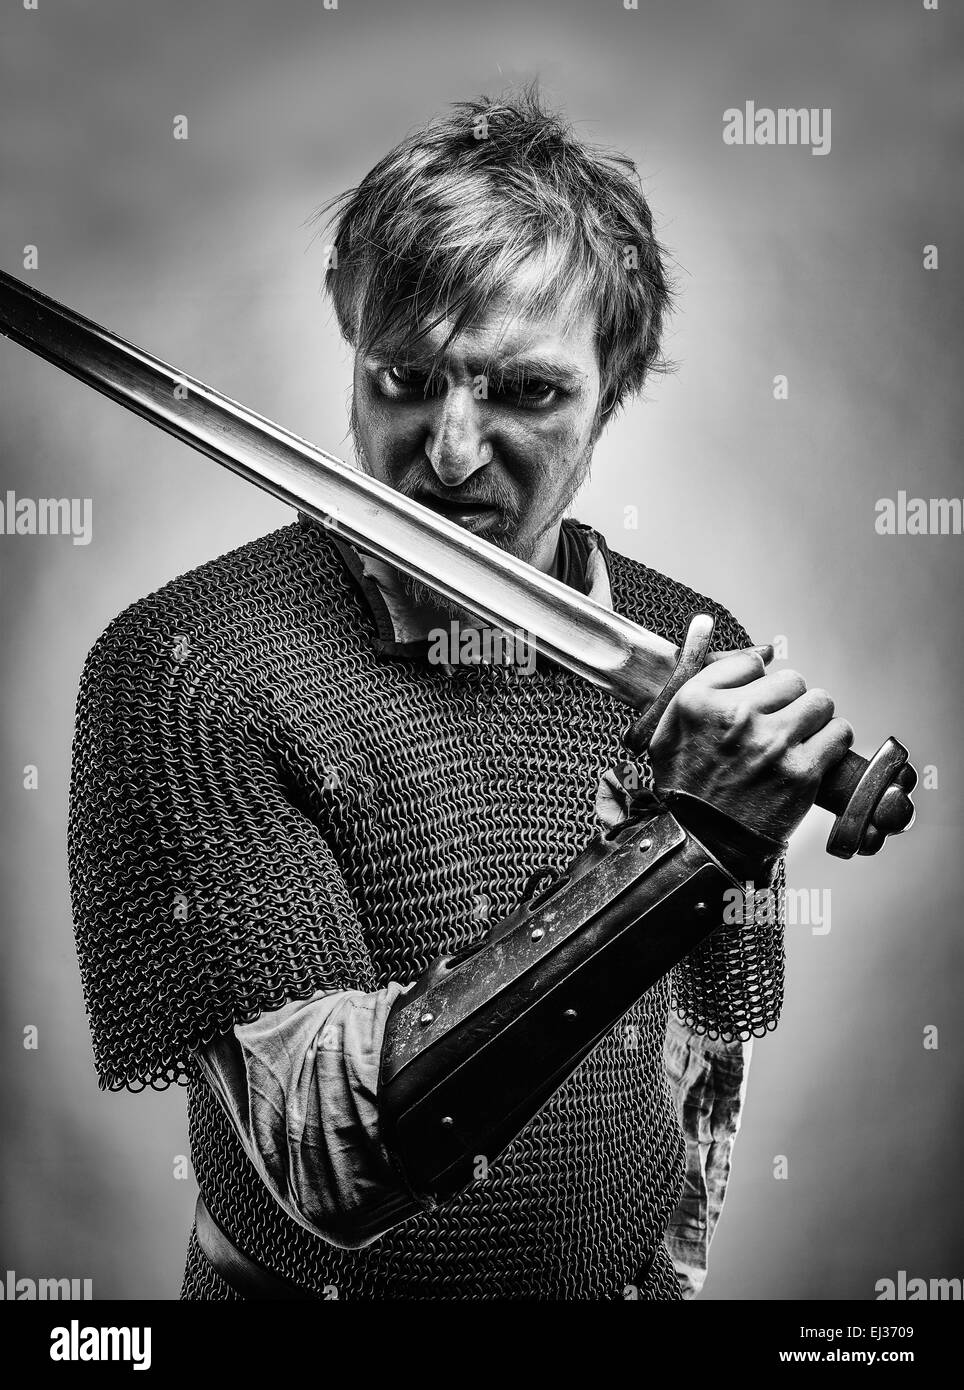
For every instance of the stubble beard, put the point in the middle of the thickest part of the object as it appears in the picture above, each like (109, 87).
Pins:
(422, 595)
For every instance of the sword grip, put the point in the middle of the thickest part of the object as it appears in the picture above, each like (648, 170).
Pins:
(870, 797)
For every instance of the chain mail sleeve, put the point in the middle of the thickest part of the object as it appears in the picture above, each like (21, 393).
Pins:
(202, 894)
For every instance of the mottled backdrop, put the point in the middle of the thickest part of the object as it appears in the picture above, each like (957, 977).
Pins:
(810, 267)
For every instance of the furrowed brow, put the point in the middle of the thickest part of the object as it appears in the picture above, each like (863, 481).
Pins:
(536, 367)
(520, 365)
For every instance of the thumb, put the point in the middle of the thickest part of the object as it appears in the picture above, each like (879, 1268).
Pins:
(765, 651)
(730, 669)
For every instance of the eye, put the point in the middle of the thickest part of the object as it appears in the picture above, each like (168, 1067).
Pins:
(528, 393)
(403, 376)
(539, 393)
(401, 383)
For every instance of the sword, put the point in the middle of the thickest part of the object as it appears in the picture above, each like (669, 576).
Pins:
(870, 799)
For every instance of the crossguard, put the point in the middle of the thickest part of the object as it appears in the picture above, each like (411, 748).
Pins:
(871, 799)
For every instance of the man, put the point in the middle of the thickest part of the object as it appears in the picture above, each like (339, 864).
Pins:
(348, 887)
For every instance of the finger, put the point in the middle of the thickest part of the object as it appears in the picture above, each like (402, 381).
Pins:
(805, 716)
(824, 749)
(730, 669)
(765, 651)
(776, 690)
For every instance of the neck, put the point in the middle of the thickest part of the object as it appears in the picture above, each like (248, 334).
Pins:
(546, 555)
(434, 611)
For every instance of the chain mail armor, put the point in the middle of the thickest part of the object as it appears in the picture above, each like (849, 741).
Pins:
(263, 805)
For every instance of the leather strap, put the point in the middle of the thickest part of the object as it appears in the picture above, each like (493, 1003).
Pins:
(244, 1275)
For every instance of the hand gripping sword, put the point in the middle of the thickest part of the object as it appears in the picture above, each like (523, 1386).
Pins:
(871, 799)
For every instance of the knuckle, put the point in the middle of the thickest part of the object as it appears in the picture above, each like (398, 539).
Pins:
(783, 759)
(763, 746)
(703, 704)
(739, 714)
(687, 694)
(686, 702)
(734, 723)
(823, 700)
(799, 769)
(779, 747)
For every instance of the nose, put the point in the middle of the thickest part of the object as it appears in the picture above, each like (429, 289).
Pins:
(456, 448)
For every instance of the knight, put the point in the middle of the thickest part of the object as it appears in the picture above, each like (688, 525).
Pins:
(438, 949)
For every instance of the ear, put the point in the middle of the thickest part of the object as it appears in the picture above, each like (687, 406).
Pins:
(604, 412)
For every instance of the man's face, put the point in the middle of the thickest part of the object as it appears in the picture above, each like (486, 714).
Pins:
(501, 443)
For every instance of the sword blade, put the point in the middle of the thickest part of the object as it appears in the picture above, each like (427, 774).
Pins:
(621, 657)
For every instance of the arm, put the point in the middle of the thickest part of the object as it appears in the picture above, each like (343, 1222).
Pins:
(708, 1079)
(475, 1048)
(299, 1086)
(484, 1039)
(203, 894)
(183, 830)
(486, 1036)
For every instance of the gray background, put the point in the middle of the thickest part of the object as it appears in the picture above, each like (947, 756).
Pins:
(787, 263)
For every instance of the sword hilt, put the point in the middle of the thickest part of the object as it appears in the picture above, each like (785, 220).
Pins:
(870, 798)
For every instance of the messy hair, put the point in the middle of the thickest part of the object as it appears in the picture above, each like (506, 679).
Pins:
(441, 224)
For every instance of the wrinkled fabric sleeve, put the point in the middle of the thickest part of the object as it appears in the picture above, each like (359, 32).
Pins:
(300, 1087)
(708, 1079)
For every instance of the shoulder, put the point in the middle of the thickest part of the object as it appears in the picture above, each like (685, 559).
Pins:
(664, 604)
(214, 614)
(203, 663)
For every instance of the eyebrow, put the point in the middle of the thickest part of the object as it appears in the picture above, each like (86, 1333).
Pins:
(519, 364)
(548, 369)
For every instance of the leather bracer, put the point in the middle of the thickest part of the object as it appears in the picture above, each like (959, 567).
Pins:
(486, 1036)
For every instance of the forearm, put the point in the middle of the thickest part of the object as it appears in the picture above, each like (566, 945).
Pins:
(707, 1078)
(299, 1085)
(475, 1050)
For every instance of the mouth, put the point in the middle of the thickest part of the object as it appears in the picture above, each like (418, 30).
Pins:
(473, 515)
